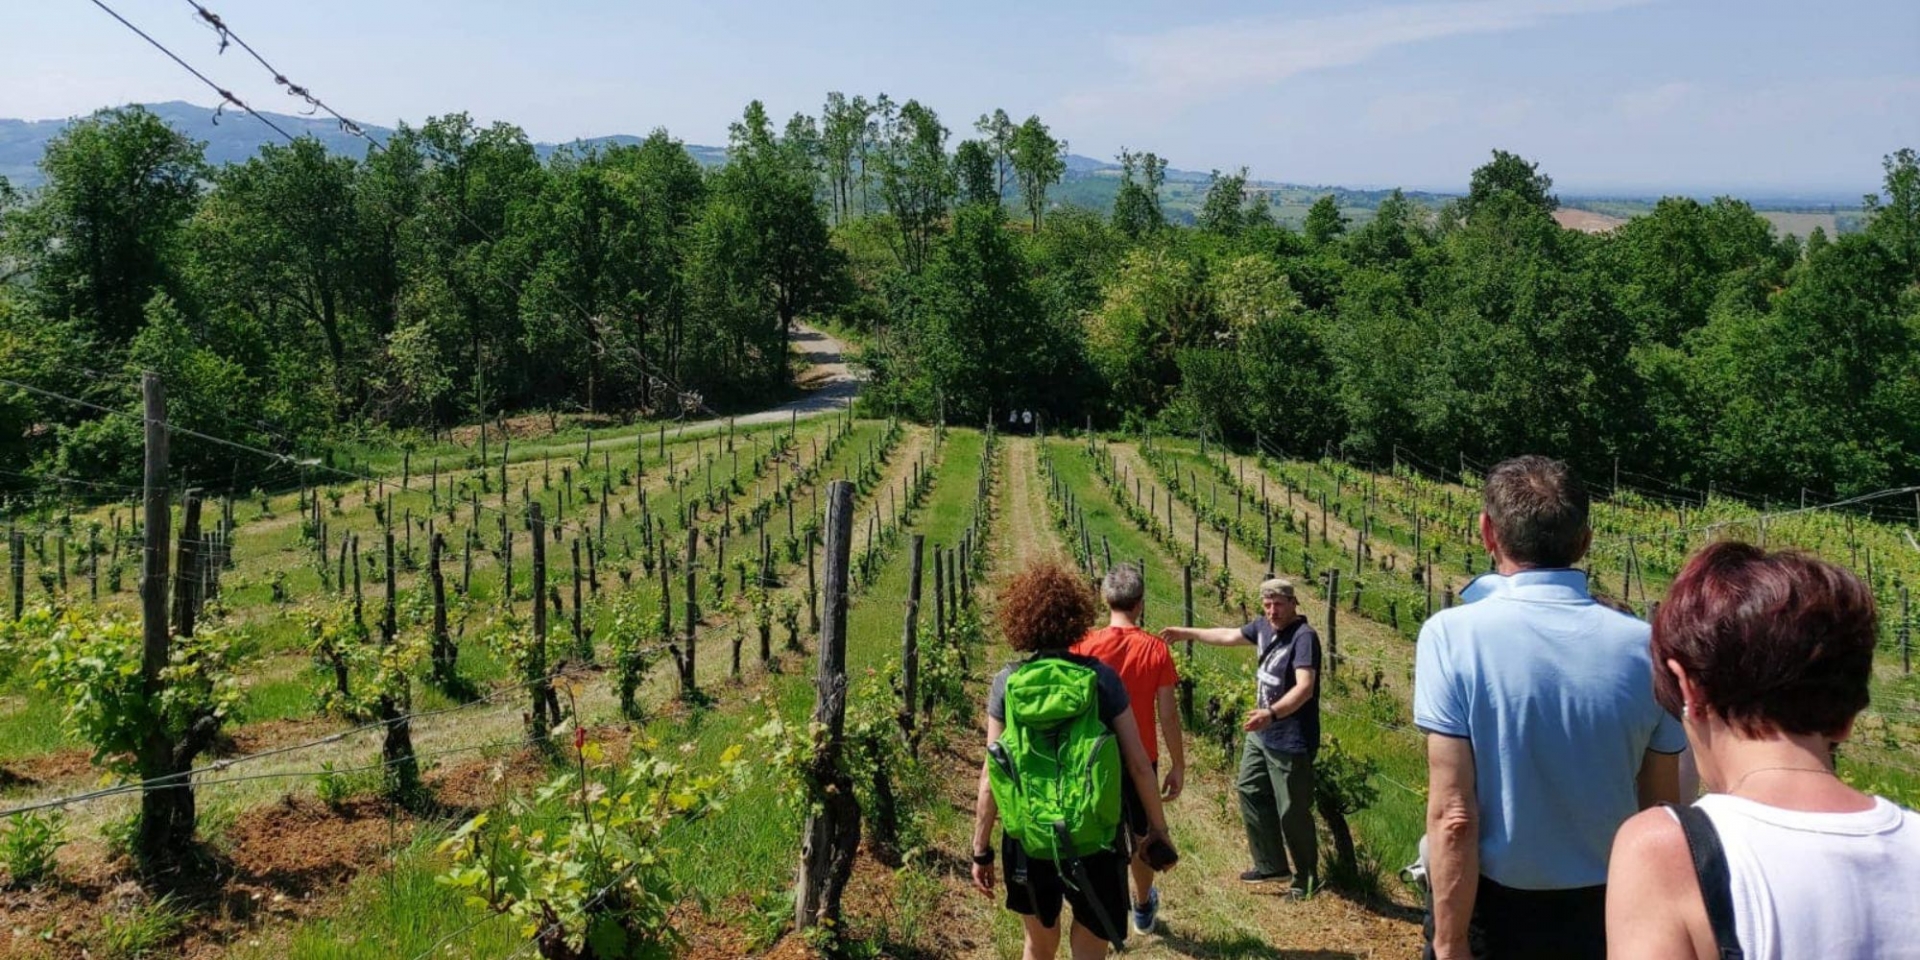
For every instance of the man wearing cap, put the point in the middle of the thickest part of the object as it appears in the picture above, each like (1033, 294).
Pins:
(1283, 735)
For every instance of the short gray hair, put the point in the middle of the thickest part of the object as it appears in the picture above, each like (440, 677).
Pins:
(1276, 587)
(1123, 587)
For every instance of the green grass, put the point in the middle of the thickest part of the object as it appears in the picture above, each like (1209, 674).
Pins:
(403, 912)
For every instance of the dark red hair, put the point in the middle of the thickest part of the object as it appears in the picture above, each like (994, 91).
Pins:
(1772, 641)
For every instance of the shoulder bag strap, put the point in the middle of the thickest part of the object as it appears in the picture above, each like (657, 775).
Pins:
(1716, 881)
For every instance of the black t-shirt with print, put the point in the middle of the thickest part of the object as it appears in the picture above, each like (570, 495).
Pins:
(1278, 653)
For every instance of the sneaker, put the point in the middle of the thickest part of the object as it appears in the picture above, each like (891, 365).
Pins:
(1145, 917)
(1255, 876)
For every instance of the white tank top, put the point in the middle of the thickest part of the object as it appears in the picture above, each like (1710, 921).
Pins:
(1831, 886)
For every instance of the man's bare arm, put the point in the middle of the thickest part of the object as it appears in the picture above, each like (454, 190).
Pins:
(1211, 636)
(1453, 841)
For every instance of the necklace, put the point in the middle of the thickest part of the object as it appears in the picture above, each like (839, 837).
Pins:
(1743, 777)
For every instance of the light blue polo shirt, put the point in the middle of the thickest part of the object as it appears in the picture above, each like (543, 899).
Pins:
(1556, 693)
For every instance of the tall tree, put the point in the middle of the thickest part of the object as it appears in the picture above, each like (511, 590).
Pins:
(101, 233)
(997, 130)
(973, 165)
(1039, 161)
(1325, 223)
(279, 237)
(917, 180)
(1221, 211)
(1136, 208)
(1895, 220)
(1509, 176)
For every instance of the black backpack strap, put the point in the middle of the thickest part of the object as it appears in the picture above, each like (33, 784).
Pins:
(1716, 881)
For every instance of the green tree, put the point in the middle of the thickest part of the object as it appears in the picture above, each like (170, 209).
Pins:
(478, 186)
(1039, 161)
(101, 234)
(1509, 176)
(1221, 210)
(280, 239)
(916, 180)
(1325, 223)
(1136, 208)
(1394, 235)
(997, 131)
(1895, 220)
(973, 165)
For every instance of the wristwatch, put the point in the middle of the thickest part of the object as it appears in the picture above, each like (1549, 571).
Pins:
(984, 858)
(1272, 715)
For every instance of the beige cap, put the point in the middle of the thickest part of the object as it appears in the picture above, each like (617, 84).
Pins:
(1277, 587)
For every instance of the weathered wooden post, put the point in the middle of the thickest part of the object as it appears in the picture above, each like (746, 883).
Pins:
(1186, 680)
(400, 770)
(688, 684)
(940, 595)
(832, 832)
(1333, 628)
(537, 662)
(910, 647)
(443, 654)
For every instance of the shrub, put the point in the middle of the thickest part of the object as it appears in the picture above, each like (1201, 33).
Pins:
(596, 884)
(28, 844)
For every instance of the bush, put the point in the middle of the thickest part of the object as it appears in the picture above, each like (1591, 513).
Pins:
(595, 884)
(28, 844)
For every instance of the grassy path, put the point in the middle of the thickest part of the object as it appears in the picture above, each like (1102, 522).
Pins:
(1206, 912)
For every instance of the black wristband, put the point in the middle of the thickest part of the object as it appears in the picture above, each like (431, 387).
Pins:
(984, 859)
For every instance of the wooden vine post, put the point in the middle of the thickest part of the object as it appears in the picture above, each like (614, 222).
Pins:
(1186, 681)
(163, 839)
(910, 647)
(443, 652)
(832, 832)
(536, 671)
(400, 770)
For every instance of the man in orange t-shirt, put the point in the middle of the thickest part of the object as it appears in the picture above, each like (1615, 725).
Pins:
(1145, 665)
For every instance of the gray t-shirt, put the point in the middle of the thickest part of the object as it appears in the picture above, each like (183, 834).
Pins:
(1278, 653)
(1113, 693)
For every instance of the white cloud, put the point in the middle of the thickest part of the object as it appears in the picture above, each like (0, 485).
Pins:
(1196, 63)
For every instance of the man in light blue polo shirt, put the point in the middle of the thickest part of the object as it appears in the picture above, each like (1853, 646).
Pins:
(1542, 733)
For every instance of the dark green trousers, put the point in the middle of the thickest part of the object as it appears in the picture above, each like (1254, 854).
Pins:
(1276, 803)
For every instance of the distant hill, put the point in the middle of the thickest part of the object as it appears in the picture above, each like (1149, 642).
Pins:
(235, 136)
(1088, 182)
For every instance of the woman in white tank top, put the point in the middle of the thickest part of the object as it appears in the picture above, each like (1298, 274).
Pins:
(1767, 658)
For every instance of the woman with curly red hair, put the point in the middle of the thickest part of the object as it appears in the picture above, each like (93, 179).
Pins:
(1055, 705)
(1766, 657)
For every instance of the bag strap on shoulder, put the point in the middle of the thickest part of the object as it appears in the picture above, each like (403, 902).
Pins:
(1710, 870)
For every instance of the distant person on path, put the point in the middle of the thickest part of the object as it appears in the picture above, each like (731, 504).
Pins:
(1060, 737)
(1145, 666)
(1543, 735)
(1283, 736)
(1767, 656)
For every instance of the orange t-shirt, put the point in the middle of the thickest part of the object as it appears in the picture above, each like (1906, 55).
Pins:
(1144, 664)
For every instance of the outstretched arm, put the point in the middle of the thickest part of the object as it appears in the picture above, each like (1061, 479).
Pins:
(1211, 636)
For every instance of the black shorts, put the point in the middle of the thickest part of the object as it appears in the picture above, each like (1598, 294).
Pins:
(1034, 889)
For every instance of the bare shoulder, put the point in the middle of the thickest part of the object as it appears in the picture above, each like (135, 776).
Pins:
(1652, 847)
(1654, 907)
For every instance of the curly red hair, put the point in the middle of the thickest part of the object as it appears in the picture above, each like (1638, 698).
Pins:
(1045, 607)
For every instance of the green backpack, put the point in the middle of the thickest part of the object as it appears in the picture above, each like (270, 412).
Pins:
(1055, 771)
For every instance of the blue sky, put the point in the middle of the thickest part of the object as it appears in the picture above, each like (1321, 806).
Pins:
(1757, 96)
